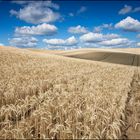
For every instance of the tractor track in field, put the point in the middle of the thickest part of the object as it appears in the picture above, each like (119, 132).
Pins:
(131, 129)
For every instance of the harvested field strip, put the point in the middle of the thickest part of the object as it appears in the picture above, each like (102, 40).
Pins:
(111, 57)
(91, 56)
(126, 59)
(105, 56)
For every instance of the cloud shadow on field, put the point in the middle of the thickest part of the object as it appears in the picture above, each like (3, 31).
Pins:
(110, 57)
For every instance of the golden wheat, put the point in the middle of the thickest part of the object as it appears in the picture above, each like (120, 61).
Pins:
(48, 96)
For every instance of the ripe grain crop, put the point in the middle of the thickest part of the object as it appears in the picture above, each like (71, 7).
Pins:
(50, 96)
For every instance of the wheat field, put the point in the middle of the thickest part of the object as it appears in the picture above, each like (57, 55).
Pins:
(56, 97)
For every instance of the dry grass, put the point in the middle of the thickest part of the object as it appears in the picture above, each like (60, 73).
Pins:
(46, 51)
(48, 96)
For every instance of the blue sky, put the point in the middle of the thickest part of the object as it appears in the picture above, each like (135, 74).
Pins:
(70, 24)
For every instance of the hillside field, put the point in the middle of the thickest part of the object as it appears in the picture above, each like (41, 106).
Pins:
(69, 94)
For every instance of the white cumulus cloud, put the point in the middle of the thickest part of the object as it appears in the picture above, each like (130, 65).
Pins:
(77, 30)
(42, 29)
(105, 40)
(1, 44)
(138, 44)
(97, 37)
(114, 42)
(129, 24)
(61, 42)
(91, 37)
(110, 36)
(23, 42)
(37, 12)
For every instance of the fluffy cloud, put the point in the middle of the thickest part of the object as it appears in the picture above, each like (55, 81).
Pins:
(104, 40)
(138, 44)
(37, 12)
(101, 27)
(128, 9)
(77, 30)
(61, 42)
(97, 37)
(24, 42)
(129, 24)
(81, 10)
(1, 44)
(56, 47)
(42, 29)
(114, 42)
(110, 36)
(91, 37)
